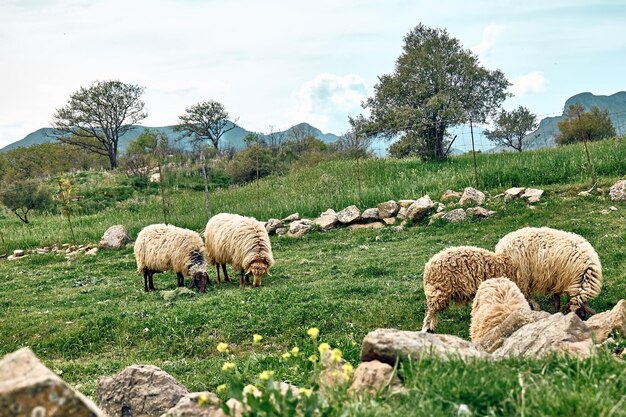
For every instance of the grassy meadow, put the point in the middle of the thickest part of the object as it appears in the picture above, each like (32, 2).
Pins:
(90, 317)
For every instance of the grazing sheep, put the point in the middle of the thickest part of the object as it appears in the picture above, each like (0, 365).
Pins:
(240, 241)
(455, 273)
(552, 261)
(495, 300)
(161, 247)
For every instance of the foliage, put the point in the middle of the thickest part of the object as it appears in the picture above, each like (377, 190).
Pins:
(436, 84)
(207, 120)
(23, 196)
(64, 195)
(580, 126)
(511, 127)
(96, 117)
(144, 152)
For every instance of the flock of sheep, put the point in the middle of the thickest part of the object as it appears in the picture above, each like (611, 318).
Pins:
(525, 262)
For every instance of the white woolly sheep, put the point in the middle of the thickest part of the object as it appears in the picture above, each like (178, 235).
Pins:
(161, 247)
(495, 300)
(455, 273)
(551, 261)
(240, 241)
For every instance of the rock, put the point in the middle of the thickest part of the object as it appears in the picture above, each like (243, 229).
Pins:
(557, 333)
(156, 177)
(584, 194)
(331, 371)
(115, 237)
(291, 218)
(479, 212)
(402, 213)
(605, 211)
(92, 252)
(272, 225)
(435, 217)
(513, 193)
(450, 195)
(603, 324)
(532, 195)
(349, 215)
(373, 377)
(41, 251)
(327, 220)
(398, 228)
(613, 208)
(617, 192)
(440, 207)
(370, 214)
(388, 209)
(405, 203)
(235, 407)
(299, 228)
(281, 231)
(17, 253)
(472, 196)
(374, 225)
(28, 388)
(188, 406)
(387, 345)
(419, 209)
(390, 221)
(454, 216)
(494, 339)
(139, 391)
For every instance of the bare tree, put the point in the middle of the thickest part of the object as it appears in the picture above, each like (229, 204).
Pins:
(207, 120)
(96, 117)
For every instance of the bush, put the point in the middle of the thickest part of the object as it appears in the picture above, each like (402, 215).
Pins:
(23, 196)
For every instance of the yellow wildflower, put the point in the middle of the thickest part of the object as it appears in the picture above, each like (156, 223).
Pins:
(256, 338)
(222, 347)
(313, 358)
(313, 332)
(221, 388)
(323, 348)
(286, 355)
(305, 391)
(335, 355)
(251, 389)
(347, 368)
(295, 351)
(203, 400)
(228, 366)
(266, 375)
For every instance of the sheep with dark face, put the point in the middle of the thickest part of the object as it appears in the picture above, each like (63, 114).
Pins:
(161, 247)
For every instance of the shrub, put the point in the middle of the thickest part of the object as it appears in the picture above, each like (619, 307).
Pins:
(23, 196)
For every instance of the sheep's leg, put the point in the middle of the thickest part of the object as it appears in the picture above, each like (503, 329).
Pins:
(151, 283)
(432, 310)
(248, 279)
(557, 303)
(241, 279)
(226, 277)
(145, 279)
(181, 280)
(217, 267)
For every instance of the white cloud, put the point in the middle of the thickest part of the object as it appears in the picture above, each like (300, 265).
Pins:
(491, 33)
(531, 83)
(327, 100)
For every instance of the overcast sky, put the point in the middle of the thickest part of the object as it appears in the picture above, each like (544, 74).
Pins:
(278, 63)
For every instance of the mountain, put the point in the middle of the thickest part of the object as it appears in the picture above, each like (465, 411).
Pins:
(233, 138)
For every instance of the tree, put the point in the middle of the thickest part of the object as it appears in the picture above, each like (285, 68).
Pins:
(436, 84)
(96, 117)
(511, 127)
(145, 152)
(207, 120)
(23, 196)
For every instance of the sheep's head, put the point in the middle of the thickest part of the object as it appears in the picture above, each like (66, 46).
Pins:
(258, 269)
(200, 280)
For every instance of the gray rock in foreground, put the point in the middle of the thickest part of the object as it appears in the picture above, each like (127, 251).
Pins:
(607, 322)
(494, 339)
(115, 237)
(349, 215)
(420, 208)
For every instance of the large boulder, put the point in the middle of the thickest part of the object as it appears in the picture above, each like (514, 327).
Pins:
(555, 334)
(472, 196)
(272, 225)
(388, 209)
(420, 208)
(299, 228)
(370, 214)
(454, 216)
(494, 339)
(139, 391)
(115, 237)
(189, 406)
(28, 388)
(532, 195)
(373, 377)
(387, 345)
(327, 220)
(603, 324)
(617, 192)
(349, 215)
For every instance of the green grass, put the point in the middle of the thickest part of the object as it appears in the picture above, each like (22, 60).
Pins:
(90, 317)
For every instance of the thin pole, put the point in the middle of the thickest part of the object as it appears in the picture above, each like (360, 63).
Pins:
(206, 185)
(474, 153)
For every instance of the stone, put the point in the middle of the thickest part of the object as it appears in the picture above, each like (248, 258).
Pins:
(584, 194)
(454, 216)
(402, 212)
(513, 193)
(603, 324)
(613, 208)
(555, 334)
(373, 377)
(349, 215)
(115, 237)
(420, 208)
(374, 225)
(405, 203)
(472, 196)
(17, 253)
(390, 221)
(28, 388)
(479, 212)
(532, 195)
(440, 207)
(617, 192)
(41, 251)
(433, 219)
(139, 391)
(188, 406)
(370, 214)
(388, 209)
(387, 345)
(331, 371)
(327, 220)
(299, 228)
(156, 177)
(281, 231)
(272, 225)
(450, 195)
(494, 339)
(92, 252)
(291, 218)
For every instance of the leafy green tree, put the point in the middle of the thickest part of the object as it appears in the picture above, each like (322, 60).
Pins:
(23, 196)
(97, 116)
(436, 84)
(145, 152)
(511, 127)
(204, 121)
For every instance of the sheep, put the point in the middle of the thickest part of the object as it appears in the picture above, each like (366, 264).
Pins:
(552, 261)
(240, 241)
(161, 247)
(495, 300)
(455, 273)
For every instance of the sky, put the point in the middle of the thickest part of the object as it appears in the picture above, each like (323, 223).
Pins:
(276, 63)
